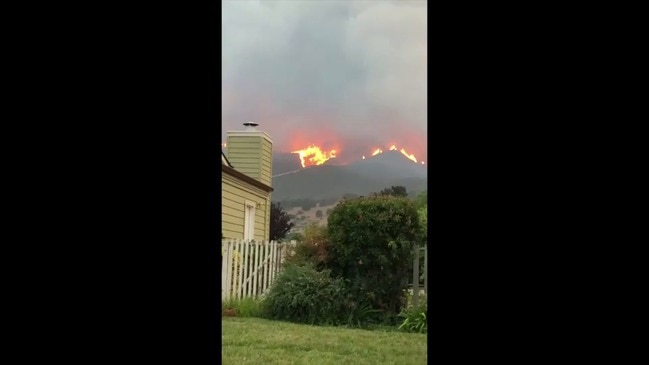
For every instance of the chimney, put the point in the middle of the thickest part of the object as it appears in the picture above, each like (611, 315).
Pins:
(251, 151)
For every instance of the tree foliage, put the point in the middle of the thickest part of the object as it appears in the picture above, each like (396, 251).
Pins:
(421, 200)
(312, 247)
(399, 191)
(280, 222)
(371, 241)
(421, 203)
(423, 223)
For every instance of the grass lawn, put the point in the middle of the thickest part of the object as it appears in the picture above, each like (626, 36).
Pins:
(259, 341)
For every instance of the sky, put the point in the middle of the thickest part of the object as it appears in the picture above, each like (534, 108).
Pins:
(349, 75)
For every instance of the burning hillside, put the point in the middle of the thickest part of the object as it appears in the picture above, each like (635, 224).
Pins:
(394, 148)
(324, 145)
(313, 155)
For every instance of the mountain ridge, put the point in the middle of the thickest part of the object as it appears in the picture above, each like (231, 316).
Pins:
(360, 177)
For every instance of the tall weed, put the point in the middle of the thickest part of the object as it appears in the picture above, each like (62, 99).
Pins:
(415, 319)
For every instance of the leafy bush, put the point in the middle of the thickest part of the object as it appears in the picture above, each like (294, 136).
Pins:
(371, 242)
(393, 191)
(245, 307)
(423, 222)
(312, 247)
(295, 236)
(304, 295)
(421, 200)
(414, 319)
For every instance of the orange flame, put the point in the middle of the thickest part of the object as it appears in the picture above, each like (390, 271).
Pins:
(412, 157)
(394, 148)
(313, 155)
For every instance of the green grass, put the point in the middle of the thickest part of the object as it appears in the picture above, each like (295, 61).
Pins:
(246, 307)
(260, 341)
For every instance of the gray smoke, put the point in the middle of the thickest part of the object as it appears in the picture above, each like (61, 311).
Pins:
(350, 73)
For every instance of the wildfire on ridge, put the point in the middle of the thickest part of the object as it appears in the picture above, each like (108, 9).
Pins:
(313, 155)
(412, 157)
(394, 148)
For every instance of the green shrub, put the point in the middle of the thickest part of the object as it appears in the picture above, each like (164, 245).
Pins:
(414, 319)
(295, 236)
(304, 295)
(423, 223)
(364, 316)
(371, 241)
(312, 247)
(245, 307)
(421, 200)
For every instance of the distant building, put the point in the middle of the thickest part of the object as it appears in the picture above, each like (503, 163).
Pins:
(246, 184)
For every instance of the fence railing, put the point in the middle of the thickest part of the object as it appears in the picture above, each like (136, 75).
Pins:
(249, 267)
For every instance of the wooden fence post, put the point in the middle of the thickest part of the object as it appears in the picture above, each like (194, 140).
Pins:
(224, 264)
(266, 269)
(426, 272)
(415, 277)
(228, 270)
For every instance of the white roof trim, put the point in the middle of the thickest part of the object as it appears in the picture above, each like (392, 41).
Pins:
(225, 160)
(250, 134)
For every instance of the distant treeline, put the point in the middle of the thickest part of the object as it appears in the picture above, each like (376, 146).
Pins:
(307, 204)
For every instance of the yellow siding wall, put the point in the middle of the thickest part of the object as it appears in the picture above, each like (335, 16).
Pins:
(266, 162)
(234, 195)
(252, 155)
(243, 153)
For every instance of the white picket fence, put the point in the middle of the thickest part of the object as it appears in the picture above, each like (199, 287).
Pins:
(249, 267)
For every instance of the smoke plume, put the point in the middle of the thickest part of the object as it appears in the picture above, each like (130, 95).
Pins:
(343, 75)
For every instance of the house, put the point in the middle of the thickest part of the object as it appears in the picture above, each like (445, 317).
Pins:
(246, 179)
